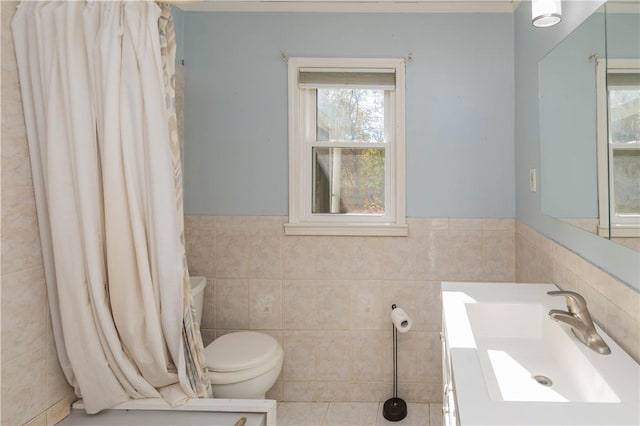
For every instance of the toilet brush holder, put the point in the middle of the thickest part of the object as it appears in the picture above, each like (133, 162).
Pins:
(395, 409)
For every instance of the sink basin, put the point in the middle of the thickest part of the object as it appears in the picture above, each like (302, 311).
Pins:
(526, 356)
(513, 365)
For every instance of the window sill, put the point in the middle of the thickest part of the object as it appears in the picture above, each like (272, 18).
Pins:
(354, 230)
(620, 231)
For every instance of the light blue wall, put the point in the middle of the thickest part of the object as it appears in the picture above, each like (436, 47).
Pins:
(459, 108)
(178, 22)
(531, 45)
(623, 34)
(568, 154)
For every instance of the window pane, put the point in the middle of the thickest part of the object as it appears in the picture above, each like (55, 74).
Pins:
(626, 177)
(350, 115)
(624, 113)
(348, 180)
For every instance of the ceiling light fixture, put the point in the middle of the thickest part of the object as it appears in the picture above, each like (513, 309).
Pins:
(545, 13)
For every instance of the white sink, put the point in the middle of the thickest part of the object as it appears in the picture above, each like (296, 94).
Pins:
(513, 365)
(526, 356)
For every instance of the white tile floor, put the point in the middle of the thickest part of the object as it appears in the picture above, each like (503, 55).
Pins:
(289, 414)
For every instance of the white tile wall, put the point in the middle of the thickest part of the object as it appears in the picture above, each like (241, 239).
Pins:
(329, 298)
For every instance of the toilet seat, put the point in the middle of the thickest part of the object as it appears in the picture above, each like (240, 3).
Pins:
(241, 356)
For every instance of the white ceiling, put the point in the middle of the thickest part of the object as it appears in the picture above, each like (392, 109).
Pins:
(432, 6)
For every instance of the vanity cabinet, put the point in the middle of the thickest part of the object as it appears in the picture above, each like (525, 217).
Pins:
(449, 413)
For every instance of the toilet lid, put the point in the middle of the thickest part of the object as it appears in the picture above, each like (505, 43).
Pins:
(240, 351)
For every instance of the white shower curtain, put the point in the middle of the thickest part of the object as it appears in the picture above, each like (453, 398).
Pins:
(97, 96)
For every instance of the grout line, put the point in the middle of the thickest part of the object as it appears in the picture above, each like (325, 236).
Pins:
(324, 416)
(378, 411)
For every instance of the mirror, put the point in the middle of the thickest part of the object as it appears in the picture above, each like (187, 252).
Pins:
(589, 105)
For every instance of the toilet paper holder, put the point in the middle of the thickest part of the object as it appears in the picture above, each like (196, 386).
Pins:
(395, 409)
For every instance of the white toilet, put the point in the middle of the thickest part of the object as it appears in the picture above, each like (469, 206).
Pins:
(243, 365)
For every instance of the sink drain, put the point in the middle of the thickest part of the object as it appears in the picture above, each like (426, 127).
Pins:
(543, 380)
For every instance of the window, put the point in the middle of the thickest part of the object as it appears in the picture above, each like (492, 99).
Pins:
(618, 103)
(346, 147)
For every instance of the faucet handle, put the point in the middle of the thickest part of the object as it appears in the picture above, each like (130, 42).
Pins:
(575, 301)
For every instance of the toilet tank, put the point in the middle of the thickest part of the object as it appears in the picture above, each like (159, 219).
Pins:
(198, 285)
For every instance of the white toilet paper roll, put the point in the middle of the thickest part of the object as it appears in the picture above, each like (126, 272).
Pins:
(401, 320)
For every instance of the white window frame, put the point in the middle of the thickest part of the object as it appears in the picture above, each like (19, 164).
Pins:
(610, 225)
(302, 123)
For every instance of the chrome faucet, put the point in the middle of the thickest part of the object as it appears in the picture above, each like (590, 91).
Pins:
(578, 317)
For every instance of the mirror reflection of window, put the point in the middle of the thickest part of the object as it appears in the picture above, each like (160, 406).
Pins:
(624, 140)
(621, 83)
(624, 106)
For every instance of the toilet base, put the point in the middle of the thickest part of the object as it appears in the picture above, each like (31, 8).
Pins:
(238, 391)
(255, 388)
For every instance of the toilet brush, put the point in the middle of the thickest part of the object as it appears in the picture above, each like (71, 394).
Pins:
(395, 409)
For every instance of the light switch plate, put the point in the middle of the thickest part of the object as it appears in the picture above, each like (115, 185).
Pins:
(532, 180)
